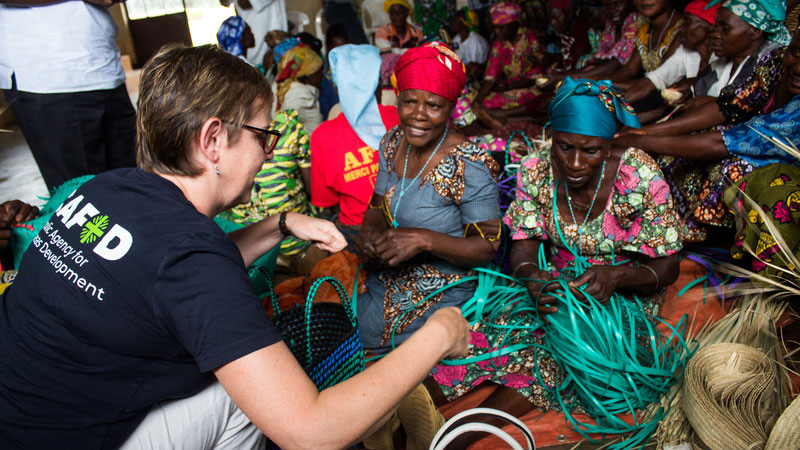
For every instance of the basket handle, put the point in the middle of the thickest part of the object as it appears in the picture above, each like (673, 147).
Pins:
(312, 292)
(449, 431)
(276, 308)
(511, 138)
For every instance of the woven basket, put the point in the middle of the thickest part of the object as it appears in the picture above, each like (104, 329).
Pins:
(324, 337)
(727, 396)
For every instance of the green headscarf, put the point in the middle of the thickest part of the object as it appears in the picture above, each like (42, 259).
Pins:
(766, 15)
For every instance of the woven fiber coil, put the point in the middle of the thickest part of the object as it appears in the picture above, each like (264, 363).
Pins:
(729, 396)
(323, 337)
(786, 432)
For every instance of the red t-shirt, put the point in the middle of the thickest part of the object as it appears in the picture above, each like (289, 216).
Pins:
(343, 167)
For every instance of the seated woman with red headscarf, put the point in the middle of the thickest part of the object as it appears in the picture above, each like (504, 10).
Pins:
(434, 213)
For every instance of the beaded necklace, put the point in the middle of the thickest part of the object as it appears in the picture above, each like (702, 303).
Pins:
(591, 205)
(403, 188)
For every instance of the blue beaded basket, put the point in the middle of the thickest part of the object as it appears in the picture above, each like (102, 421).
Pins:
(323, 336)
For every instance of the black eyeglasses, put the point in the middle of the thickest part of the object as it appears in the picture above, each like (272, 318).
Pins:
(268, 139)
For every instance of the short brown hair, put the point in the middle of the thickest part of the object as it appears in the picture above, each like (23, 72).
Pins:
(182, 87)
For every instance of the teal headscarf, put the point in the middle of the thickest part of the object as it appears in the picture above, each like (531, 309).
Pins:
(590, 108)
(766, 15)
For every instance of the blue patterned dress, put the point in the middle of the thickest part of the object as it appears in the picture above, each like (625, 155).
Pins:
(459, 191)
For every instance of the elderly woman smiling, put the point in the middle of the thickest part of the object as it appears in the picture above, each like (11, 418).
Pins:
(434, 213)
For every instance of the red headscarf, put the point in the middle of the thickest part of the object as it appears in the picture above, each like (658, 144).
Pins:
(698, 8)
(432, 67)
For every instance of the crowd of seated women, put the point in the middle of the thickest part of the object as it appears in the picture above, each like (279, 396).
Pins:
(650, 113)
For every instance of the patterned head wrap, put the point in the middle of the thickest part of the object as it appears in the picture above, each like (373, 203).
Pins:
(590, 108)
(355, 70)
(389, 3)
(701, 9)
(505, 12)
(229, 35)
(299, 61)
(283, 47)
(469, 18)
(766, 15)
(433, 67)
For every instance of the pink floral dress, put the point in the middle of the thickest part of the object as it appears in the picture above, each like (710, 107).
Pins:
(512, 61)
(639, 223)
(618, 47)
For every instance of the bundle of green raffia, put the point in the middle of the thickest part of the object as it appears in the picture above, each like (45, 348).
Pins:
(614, 359)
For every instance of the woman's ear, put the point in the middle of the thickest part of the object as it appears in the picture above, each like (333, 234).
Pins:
(213, 135)
(756, 34)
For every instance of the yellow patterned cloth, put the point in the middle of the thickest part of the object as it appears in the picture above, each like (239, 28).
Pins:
(279, 186)
(652, 57)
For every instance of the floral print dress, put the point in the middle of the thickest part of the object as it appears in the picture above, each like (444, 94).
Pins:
(512, 61)
(638, 224)
(611, 46)
(460, 192)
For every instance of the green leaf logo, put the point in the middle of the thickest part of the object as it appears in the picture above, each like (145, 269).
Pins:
(94, 229)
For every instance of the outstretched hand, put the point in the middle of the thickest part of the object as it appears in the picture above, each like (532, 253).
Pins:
(321, 233)
(456, 327)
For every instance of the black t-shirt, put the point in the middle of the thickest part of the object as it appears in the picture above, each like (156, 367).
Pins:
(127, 297)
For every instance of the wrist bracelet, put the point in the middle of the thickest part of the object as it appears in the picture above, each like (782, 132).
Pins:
(522, 264)
(658, 283)
(282, 225)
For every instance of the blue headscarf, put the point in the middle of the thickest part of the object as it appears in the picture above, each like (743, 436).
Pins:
(229, 35)
(283, 47)
(590, 108)
(355, 70)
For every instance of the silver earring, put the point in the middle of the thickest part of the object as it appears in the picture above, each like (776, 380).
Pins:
(216, 169)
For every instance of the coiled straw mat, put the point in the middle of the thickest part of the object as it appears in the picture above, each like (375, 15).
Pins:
(731, 402)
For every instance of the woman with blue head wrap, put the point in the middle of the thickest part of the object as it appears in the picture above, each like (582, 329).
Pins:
(605, 213)
(616, 197)
(235, 37)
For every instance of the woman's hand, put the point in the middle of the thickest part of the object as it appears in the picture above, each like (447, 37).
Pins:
(600, 281)
(322, 233)
(625, 131)
(539, 288)
(685, 88)
(364, 246)
(456, 328)
(397, 245)
(11, 213)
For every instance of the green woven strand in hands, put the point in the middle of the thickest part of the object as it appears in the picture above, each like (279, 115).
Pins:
(612, 356)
